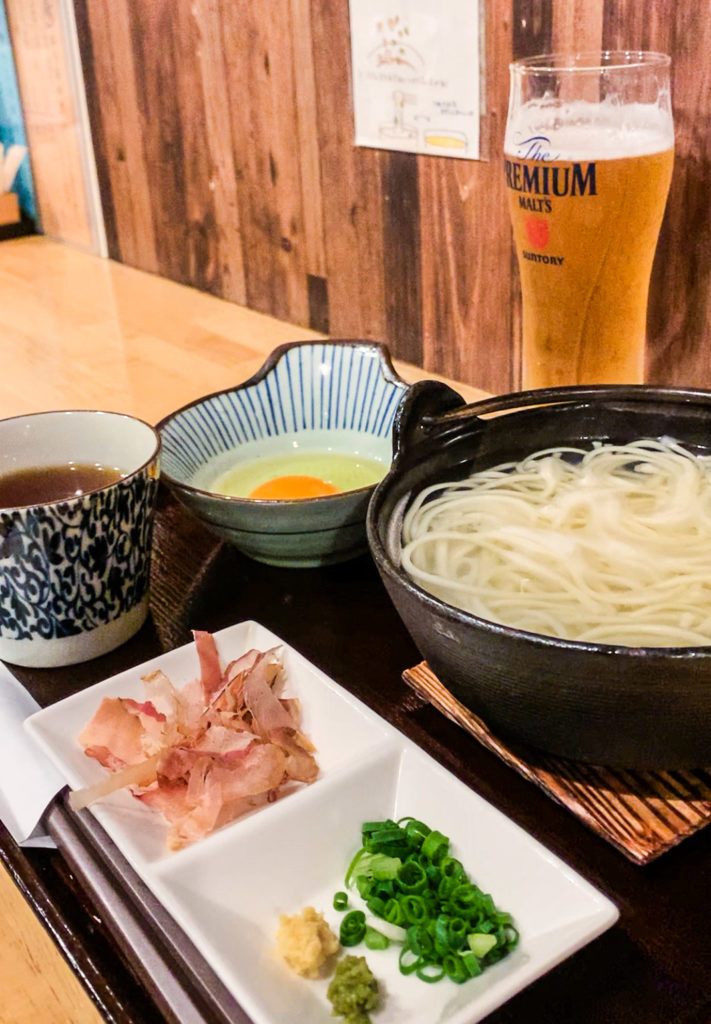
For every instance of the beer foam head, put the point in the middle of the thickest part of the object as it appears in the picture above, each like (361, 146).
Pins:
(550, 130)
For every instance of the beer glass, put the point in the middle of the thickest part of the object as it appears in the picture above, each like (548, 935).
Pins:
(588, 158)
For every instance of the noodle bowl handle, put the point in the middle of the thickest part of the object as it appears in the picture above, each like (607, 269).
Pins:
(586, 394)
(421, 413)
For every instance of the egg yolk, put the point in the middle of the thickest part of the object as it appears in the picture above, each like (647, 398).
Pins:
(286, 488)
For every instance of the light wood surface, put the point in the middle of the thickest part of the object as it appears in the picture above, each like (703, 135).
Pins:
(36, 985)
(80, 332)
(77, 331)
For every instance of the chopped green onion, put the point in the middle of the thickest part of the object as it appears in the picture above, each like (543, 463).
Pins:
(373, 865)
(389, 833)
(384, 867)
(352, 866)
(373, 826)
(441, 935)
(352, 928)
(430, 972)
(392, 931)
(457, 931)
(340, 901)
(455, 968)
(412, 877)
(451, 868)
(376, 905)
(414, 908)
(481, 944)
(375, 939)
(364, 884)
(408, 961)
(471, 963)
(435, 846)
(412, 884)
(465, 899)
(420, 940)
(416, 830)
(394, 912)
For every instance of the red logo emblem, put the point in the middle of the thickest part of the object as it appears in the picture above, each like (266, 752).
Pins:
(537, 231)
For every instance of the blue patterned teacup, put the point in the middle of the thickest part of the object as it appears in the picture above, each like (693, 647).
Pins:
(74, 570)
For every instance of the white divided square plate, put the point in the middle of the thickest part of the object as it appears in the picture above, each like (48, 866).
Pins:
(228, 890)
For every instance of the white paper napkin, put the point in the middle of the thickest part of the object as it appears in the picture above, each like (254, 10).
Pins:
(28, 780)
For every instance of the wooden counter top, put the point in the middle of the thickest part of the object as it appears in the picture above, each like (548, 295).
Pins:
(37, 986)
(77, 331)
(81, 332)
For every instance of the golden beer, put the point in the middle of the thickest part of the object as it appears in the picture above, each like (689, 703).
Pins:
(588, 159)
(585, 235)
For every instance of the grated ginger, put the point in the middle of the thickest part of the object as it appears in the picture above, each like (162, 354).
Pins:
(306, 941)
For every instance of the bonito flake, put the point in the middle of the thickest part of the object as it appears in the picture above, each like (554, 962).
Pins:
(205, 754)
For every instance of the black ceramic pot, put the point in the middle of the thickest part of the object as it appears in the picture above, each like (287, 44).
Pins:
(622, 706)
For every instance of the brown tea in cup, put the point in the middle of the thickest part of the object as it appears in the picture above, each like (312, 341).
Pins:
(38, 484)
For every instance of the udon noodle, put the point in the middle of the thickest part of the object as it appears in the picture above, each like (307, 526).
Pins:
(608, 545)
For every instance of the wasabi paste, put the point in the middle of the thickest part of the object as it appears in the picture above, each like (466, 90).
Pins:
(353, 990)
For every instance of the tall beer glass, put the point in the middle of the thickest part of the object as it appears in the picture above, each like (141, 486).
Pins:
(588, 155)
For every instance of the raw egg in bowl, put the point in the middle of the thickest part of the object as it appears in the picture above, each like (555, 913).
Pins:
(283, 465)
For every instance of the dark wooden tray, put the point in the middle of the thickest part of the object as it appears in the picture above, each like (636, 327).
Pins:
(643, 814)
(654, 962)
(184, 986)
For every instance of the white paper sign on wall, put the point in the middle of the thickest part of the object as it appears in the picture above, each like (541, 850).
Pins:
(416, 75)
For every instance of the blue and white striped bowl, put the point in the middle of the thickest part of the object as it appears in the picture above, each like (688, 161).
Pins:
(340, 395)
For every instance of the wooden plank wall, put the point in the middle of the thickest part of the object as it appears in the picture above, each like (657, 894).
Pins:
(223, 131)
(52, 121)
